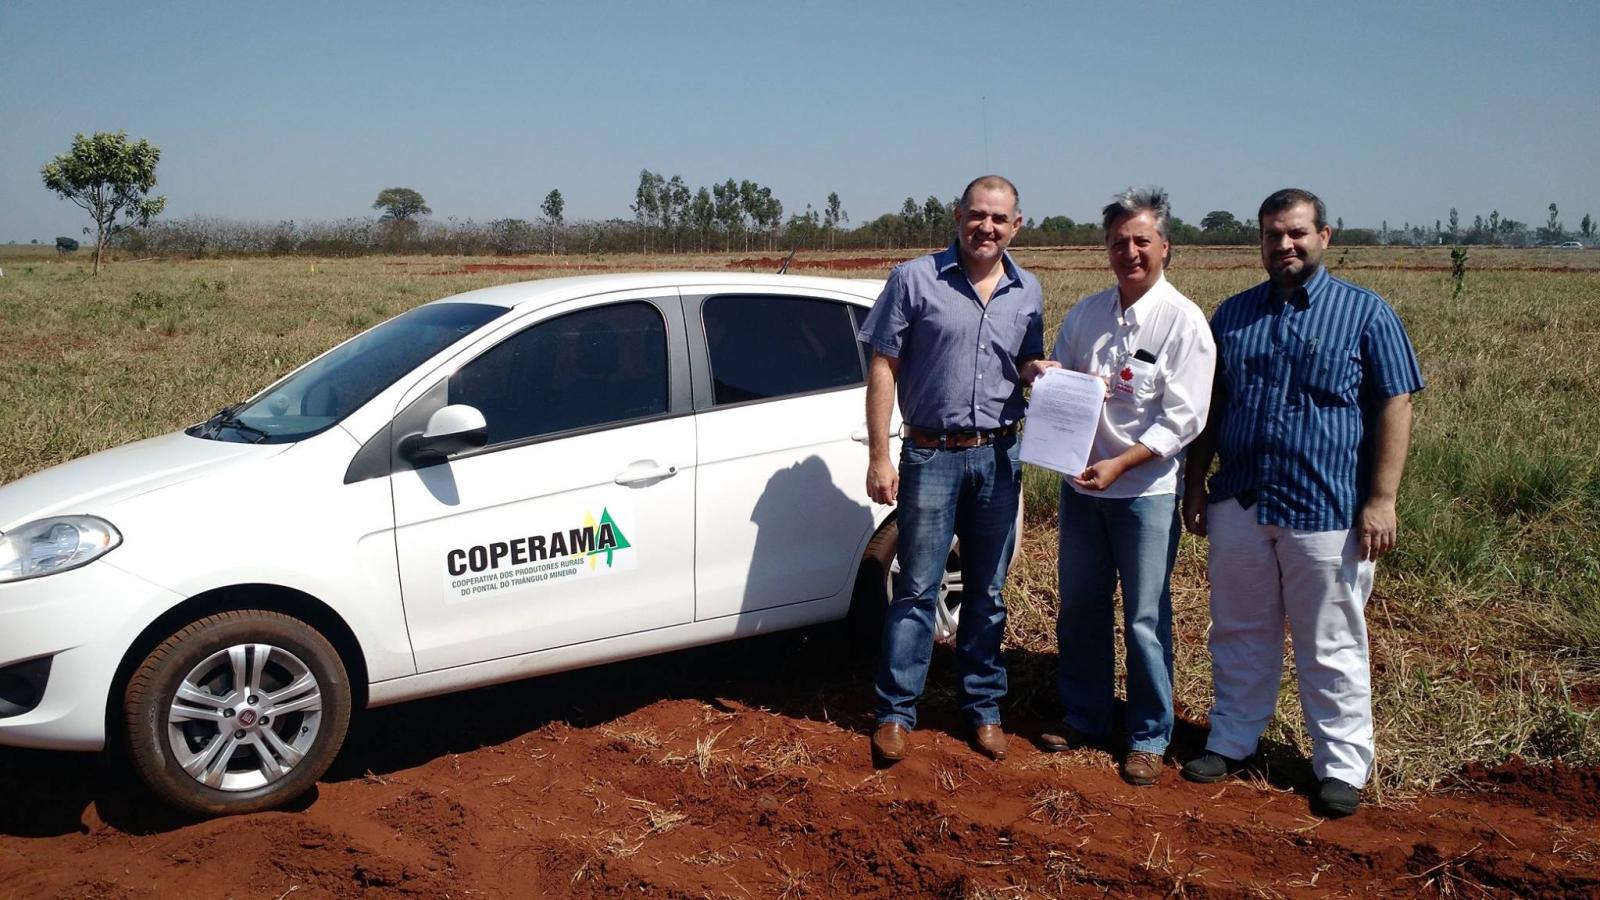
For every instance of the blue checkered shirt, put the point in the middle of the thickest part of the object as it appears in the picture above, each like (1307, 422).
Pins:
(958, 357)
(1299, 384)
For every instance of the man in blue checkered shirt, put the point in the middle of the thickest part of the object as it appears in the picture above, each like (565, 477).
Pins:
(1310, 418)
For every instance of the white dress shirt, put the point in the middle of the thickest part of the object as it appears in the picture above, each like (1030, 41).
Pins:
(1162, 405)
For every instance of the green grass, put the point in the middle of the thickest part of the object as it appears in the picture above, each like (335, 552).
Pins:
(1485, 623)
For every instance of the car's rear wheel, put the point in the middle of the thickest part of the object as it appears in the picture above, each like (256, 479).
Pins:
(882, 553)
(238, 712)
(881, 564)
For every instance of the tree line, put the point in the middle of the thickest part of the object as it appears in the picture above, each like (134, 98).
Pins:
(112, 177)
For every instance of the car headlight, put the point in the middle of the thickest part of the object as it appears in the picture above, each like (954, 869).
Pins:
(47, 546)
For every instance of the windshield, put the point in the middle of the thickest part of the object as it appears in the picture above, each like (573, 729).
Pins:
(340, 381)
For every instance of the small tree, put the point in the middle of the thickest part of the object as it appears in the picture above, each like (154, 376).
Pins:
(647, 202)
(727, 210)
(1458, 271)
(552, 207)
(110, 177)
(1586, 227)
(768, 214)
(675, 199)
(832, 214)
(64, 245)
(1552, 230)
(702, 215)
(401, 204)
(936, 220)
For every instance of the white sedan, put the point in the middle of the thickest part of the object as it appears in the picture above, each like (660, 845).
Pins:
(511, 481)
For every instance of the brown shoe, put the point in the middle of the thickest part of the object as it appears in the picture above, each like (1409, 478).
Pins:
(889, 742)
(1141, 768)
(990, 740)
(1064, 737)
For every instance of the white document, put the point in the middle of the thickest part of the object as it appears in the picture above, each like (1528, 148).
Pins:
(1063, 416)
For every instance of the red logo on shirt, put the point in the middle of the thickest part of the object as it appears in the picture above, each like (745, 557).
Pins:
(1126, 373)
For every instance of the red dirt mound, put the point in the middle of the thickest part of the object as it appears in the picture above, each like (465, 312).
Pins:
(1558, 787)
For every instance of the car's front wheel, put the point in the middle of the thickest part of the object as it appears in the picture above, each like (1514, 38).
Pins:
(237, 712)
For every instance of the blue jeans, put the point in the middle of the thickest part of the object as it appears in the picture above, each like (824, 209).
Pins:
(972, 495)
(1102, 538)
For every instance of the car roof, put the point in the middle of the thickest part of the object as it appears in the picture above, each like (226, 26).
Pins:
(543, 292)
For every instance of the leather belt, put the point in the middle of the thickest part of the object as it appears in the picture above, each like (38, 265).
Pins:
(956, 440)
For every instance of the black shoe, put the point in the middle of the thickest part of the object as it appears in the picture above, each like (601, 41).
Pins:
(1210, 768)
(1335, 799)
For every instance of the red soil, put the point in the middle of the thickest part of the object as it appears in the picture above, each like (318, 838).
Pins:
(742, 770)
(533, 267)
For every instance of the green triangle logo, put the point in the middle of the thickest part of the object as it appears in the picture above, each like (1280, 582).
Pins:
(620, 540)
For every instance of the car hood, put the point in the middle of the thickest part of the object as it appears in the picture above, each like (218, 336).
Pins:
(92, 483)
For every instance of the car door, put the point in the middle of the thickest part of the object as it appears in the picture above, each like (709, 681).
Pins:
(575, 521)
(781, 506)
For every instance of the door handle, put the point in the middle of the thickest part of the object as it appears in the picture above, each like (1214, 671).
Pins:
(860, 434)
(644, 472)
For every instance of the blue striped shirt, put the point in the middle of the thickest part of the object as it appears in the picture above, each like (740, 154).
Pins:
(1298, 384)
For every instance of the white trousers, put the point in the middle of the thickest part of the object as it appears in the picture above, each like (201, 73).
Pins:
(1260, 576)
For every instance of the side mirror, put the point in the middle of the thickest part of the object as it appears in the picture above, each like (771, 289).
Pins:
(450, 430)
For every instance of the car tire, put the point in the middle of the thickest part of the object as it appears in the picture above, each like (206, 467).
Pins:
(237, 712)
(875, 587)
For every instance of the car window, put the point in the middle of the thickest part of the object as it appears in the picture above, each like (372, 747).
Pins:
(763, 346)
(342, 380)
(594, 367)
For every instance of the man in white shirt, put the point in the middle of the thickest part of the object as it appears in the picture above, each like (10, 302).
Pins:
(1119, 517)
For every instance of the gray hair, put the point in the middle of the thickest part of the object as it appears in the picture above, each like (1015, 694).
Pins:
(1136, 200)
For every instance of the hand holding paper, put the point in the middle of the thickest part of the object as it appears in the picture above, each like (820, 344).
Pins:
(1063, 416)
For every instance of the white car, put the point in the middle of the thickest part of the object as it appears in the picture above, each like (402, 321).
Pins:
(511, 481)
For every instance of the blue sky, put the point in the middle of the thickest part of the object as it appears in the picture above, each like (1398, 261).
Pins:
(304, 111)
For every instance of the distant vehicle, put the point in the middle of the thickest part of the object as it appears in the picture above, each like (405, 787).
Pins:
(517, 480)
(1570, 245)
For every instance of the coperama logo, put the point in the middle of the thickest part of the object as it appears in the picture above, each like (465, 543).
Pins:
(608, 538)
(595, 541)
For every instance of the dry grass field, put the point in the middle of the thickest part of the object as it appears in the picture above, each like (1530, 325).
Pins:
(1486, 622)
(741, 770)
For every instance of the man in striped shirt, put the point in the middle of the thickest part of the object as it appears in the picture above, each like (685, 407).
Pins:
(1311, 417)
